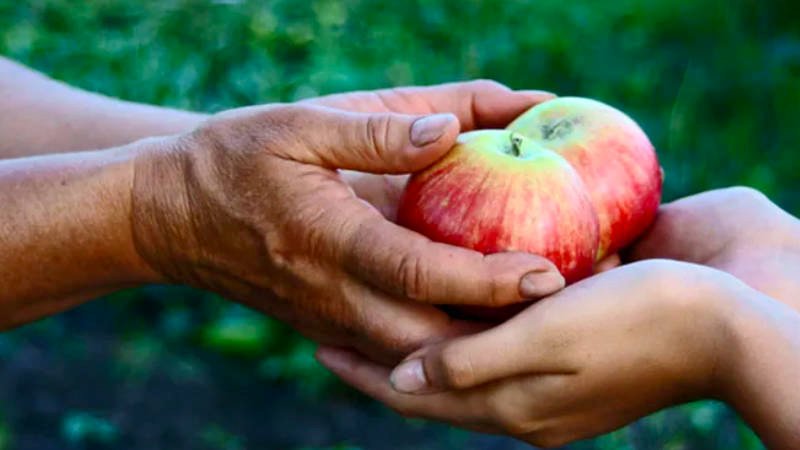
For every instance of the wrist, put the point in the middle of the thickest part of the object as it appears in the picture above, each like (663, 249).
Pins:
(158, 205)
(123, 160)
(710, 307)
(763, 368)
(747, 321)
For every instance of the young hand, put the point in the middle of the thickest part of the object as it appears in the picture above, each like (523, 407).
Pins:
(738, 230)
(586, 360)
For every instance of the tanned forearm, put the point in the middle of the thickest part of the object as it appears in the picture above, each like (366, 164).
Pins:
(65, 231)
(39, 115)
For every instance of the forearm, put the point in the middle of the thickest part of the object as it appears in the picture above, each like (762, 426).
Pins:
(39, 115)
(65, 232)
(764, 374)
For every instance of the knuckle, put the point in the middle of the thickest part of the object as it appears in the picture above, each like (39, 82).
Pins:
(412, 275)
(455, 368)
(252, 127)
(284, 119)
(746, 194)
(494, 288)
(504, 415)
(410, 339)
(520, 418)
(490, 286)
(288, 112)
(399, 337)
(378, 128)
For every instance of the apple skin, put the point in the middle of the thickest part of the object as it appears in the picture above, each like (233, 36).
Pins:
(497, 191)
(613, 156)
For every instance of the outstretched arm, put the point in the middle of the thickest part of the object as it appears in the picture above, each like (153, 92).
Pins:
(65, 232)
(251, 204)
(40, 115)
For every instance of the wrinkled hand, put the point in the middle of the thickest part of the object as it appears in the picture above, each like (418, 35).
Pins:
(478, 104)
(738, 230)
(251, 205)
(587, 360)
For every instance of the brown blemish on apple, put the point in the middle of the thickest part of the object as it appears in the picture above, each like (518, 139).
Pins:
(560, 128)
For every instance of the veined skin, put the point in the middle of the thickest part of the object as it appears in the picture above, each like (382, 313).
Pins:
(613, 156)
(484, 196)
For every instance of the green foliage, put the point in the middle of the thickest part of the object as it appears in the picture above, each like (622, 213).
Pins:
(716, 84)
(137, 355)
(296, 363)
(215, 437)
(6, 437)
(82, 428)
(238, 331)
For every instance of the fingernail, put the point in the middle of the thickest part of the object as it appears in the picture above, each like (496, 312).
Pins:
(409, 377)
(538, 284)
(430, 128)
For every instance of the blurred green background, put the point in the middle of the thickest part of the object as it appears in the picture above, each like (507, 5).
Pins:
(715, 83)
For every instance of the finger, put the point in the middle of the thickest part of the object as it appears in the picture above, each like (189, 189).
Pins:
(477, 104)
(391, 328)
(368, 377)
(372, 380)
(377, 143)
(529, 343)
(464, 362)
(408, 265)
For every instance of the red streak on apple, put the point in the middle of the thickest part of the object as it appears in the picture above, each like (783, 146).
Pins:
(479, 197)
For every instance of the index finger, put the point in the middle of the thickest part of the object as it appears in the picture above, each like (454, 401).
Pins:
(477, 104)
(407, 264)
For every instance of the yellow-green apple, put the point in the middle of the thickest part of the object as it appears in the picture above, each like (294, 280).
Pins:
(499, 191)
(612, 155)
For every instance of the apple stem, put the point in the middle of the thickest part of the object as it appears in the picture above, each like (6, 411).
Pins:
(516, 144)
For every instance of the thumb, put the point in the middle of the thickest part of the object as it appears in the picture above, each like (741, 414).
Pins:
(464, 362)
(379, 142)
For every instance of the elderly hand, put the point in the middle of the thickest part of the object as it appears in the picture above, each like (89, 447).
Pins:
(251, 205)
(587, 360)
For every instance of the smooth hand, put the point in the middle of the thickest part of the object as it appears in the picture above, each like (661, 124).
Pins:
(587, 360)
(738, 230)
(252, 205)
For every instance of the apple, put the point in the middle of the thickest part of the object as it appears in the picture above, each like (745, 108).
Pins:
(613, 156)
(497, 190)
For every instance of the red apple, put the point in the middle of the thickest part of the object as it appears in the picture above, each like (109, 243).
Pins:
(499, 191)
(613, 156)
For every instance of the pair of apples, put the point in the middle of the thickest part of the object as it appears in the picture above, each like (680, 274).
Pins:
(571, 179)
